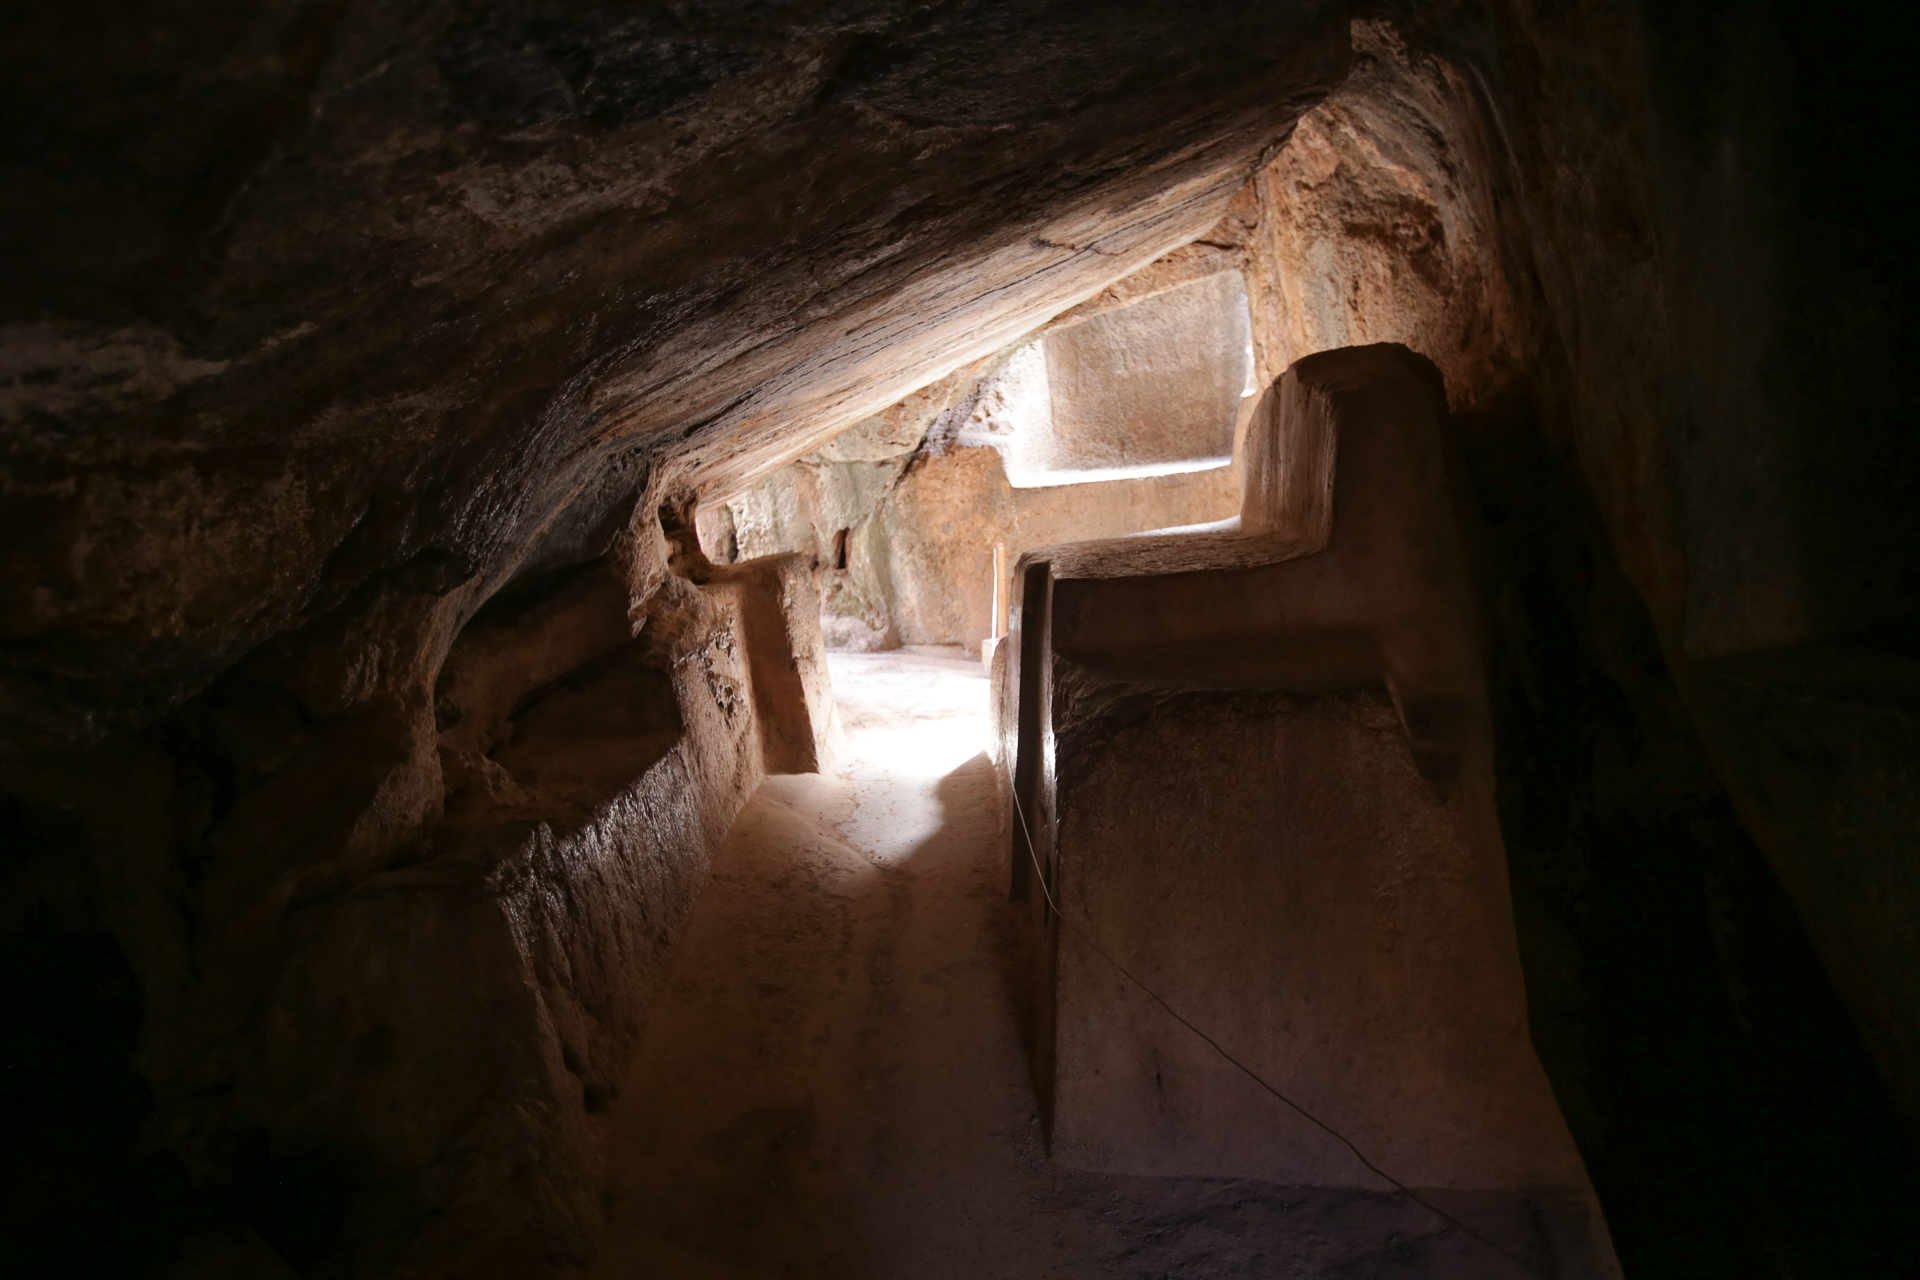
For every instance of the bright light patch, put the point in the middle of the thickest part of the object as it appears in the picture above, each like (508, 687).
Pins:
(930, 749)
(912, 717)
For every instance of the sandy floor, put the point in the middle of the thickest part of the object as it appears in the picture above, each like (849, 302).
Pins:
(834, 1085)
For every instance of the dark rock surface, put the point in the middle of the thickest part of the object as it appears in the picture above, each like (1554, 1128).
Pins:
(302, 297)
(1639, 243)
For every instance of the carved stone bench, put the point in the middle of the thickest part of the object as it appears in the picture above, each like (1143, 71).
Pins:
(1253, 766)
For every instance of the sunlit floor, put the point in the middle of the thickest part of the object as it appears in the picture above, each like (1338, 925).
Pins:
(834, 1085)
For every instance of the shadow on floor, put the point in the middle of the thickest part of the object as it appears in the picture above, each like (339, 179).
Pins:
(834, 1085)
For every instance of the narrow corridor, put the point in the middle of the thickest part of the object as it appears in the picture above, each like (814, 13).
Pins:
(834, 1084)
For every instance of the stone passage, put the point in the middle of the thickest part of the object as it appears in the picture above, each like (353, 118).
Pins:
(834, 1084)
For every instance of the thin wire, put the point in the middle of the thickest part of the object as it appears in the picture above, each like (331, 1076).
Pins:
(1249, 1072)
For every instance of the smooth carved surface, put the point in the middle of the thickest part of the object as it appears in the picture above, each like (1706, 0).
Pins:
(1325, 835)
(1154, 386)
(1265, 605)
(832, 1085)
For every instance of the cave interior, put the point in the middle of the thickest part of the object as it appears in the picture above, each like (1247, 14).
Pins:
(730, 638)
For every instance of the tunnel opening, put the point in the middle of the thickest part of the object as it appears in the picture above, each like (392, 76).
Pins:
(1067, 432)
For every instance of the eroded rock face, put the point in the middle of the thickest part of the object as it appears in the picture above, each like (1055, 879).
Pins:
(1378, 223)
(777, 599)
(454, 263)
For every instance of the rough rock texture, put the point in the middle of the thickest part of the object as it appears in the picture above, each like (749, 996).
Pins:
(1378, 223)
(462, 259)
(449, 1022)
(779, 608)
(392, 961)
